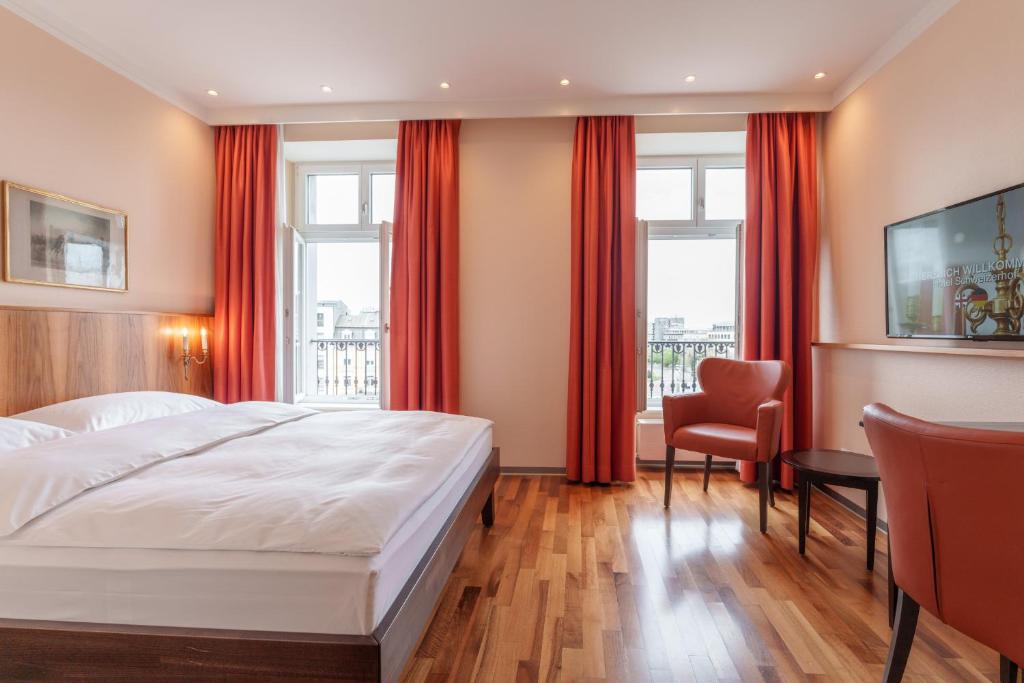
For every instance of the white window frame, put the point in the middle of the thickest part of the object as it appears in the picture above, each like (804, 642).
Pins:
(697, 228)
(698, 166)
(364, 231)
(341, 231)
(710, 162)
(666, 162)
(293, 252)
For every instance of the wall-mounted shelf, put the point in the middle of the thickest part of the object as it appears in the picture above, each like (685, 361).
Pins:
(914, 348)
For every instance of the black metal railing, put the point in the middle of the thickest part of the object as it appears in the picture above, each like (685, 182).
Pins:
(347, 369)
(672, 365)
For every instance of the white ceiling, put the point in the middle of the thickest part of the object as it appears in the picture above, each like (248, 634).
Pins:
(268, 58)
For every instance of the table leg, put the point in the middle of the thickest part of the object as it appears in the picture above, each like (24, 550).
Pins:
(872, 523)
(803, 510)
(807, 517)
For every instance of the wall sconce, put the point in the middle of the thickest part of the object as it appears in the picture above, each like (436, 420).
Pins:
(186, 356)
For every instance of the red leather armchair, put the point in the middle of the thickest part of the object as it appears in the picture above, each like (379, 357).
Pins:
(738, 414)
(956, 532)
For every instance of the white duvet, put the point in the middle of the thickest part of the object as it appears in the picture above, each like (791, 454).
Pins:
(248, 476)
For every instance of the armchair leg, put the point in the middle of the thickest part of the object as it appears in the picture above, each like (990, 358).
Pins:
(907, 611)
(771, 489)
(764, 485)
(1007, 670)
(670, 463)
(707, 471)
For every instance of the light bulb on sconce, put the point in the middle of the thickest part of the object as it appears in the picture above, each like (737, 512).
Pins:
(186, 356)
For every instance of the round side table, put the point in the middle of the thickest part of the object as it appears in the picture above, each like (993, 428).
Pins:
(819, 466)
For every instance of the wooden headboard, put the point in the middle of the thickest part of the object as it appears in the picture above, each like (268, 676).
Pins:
(51, 355)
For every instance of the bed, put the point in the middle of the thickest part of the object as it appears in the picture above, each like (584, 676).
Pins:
(253, 541)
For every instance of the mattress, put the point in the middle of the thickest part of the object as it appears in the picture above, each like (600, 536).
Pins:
(229, 589)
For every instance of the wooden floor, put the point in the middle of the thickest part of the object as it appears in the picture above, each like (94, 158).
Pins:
(595, 583)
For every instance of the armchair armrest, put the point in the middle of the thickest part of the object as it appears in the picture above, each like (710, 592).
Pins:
(769, 429)
(682, 409)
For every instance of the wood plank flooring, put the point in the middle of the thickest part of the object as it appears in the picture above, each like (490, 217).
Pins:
(589, 583)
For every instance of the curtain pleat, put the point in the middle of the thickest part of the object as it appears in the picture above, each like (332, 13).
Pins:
(244, 318)
(602, 353)
(424, 338)
(780, 257)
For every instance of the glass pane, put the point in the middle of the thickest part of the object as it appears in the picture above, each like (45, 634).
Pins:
(382, 197)
(691, 311)
(333, 200)
(725, 194)
(664, 194)
(346, 349)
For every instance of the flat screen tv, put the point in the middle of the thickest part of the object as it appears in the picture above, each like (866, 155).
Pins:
(956, 273)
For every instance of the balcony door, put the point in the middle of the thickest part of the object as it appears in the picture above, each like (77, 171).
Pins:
(688, 270)
(341, 283)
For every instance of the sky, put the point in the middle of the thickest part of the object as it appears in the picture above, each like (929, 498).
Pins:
(692, 278)
(349, 271)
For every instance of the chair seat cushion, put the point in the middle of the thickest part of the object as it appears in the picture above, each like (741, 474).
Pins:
(716, 438)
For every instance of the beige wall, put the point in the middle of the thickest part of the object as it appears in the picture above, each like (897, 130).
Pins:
(72, 126)
(691, 123)
(353, 130)
(939, 124)
(514, 284)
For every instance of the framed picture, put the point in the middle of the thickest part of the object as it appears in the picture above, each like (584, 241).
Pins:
(54, 240)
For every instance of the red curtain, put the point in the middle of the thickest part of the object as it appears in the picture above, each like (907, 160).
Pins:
(425, 269)
(243, 339)
(602, 351)
(780, 255)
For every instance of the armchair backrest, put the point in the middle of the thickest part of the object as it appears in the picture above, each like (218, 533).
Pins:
(956, 522)
(737, 387)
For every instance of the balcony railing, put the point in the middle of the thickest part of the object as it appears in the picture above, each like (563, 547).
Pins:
(672, 365)
(347, 369)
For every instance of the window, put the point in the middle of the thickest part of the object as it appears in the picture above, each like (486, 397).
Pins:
(382, 197)
(691, 191)
(341, 213)
(332, 199)
(664, 194)
(725, 193)
(688, 263)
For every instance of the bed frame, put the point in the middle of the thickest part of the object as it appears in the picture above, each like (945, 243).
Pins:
(52, 355)
(113, 653)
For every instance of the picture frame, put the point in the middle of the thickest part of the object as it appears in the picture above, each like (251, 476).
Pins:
(54, 240)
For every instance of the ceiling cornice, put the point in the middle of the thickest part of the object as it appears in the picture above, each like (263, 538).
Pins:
(503, 109)
(928, 15)
(84, 43)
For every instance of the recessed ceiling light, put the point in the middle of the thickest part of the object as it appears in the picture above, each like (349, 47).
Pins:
(820, 75)
(445, 85)
(212, 93)
(689, 78)
(564, 82)
(326, 88)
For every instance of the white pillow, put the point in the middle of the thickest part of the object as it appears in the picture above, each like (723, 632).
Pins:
(15, 434)
(94, 413)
